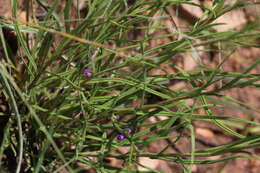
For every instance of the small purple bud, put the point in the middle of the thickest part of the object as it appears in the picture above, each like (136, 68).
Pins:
(62, 91)
(85, 68)
(87, 73)
(121, 136)
(130, 129)
(52, 90)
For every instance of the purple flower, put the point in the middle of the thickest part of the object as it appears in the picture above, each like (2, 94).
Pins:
(121, 136)
(130, 130)
(86, 72)
(62, 91)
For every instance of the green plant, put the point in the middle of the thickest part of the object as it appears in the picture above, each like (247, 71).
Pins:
(85, 80)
